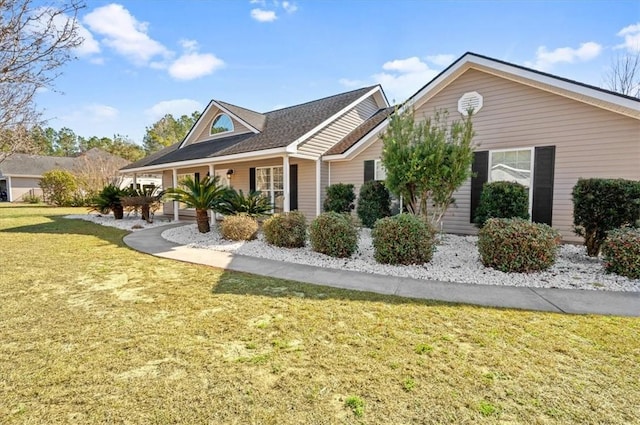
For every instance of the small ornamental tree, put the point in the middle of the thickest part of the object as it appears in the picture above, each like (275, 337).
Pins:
(426, 162)
(58, 187)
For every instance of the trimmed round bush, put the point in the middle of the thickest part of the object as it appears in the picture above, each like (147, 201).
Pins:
(239, 227)
(502, 200)
(333, 234)
(403, 239)
(621, 252)
(517, 245)
(374, 203)
(288, 230)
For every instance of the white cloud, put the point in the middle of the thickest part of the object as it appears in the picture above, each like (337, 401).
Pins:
(123, 33)
(101, 112)
(94, 113)
(194, 65)
(401, 78)
(545, 59)
(289, 7)
(50, 16)
(262, 3)
(441, 59)
(352, 83)
(262, 15)
(175, 107)
(631, 36)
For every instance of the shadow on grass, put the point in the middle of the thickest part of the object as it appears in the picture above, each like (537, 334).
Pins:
(239, 283)
(57, 224)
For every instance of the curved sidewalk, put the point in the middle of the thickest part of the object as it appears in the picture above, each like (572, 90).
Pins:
(554, 300)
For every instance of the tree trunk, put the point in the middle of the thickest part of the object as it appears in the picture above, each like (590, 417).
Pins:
(202, 218)
(146, 215)
(118, 212)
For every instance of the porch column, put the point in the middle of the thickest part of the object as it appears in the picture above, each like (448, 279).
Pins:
(212, 214)
(318, 186)
(135, 181)
(9, 195)
(176, 204)
(285, 182)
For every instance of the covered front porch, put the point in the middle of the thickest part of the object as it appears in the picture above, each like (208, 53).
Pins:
(289, 182)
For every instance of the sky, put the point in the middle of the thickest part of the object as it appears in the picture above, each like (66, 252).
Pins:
(141, 59)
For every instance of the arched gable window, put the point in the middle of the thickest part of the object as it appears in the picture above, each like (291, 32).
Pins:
(221, 124)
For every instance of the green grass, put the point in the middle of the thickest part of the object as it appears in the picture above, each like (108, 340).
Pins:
(93, 332)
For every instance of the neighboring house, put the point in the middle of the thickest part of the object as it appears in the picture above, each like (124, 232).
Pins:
(532, 127)
(20, 174)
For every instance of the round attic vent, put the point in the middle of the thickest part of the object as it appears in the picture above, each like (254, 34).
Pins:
(470, 100)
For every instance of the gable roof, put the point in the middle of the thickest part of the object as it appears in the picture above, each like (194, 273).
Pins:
(586, 93)
(281, 128)
(256, 119)
(596, 96)
(361, 131)
(20, 164)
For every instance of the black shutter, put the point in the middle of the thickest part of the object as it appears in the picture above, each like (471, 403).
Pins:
(293, 187)
(480, 169)
(369, 170)
(252, 179)
(197, 177)
(543, 171)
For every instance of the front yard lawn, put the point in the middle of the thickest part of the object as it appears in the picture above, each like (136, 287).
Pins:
(93, 332)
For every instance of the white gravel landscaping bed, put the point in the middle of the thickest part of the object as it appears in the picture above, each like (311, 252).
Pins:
(130, 222)
(456, 260)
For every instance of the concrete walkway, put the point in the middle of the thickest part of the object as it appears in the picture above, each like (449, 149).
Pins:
(553, 300)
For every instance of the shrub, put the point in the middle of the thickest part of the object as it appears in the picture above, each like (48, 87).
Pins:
(109, 199)
(502, 200)
(339, 198)
(621, 252)
(254, 204)
(239, 227)
(287, 230)
(602, 205)
(58, 187)
(517, 245)
(374, 203)
(31, 198)
(333, 234)
(403, 239)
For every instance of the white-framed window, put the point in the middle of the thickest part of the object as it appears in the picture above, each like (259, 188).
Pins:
(513, 165)
(379, 173)
(222, 123)
(270, 182)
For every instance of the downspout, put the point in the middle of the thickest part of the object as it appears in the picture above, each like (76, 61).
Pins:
(286, 183)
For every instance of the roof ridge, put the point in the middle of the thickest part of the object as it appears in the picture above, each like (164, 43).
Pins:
(324, 98)
(239, 107)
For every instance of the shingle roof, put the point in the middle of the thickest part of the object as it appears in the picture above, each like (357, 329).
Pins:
(255, 119)
(20, 164)
(359, 132)
(281, 128)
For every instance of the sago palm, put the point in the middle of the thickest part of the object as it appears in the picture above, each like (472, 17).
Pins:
(205, 194)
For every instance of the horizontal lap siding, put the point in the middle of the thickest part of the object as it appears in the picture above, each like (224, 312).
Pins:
(21, 186)
(337, 130)
(352, 172)
(306, 187)
(590, 142)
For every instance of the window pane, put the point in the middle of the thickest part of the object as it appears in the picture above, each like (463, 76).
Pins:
(514, 166)
(278, 201)
(221, 124)
(278, 178)
(263, 179)
(381, 173)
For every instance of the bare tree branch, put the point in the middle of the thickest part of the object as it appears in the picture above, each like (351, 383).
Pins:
(624, 74)
(36, 40)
